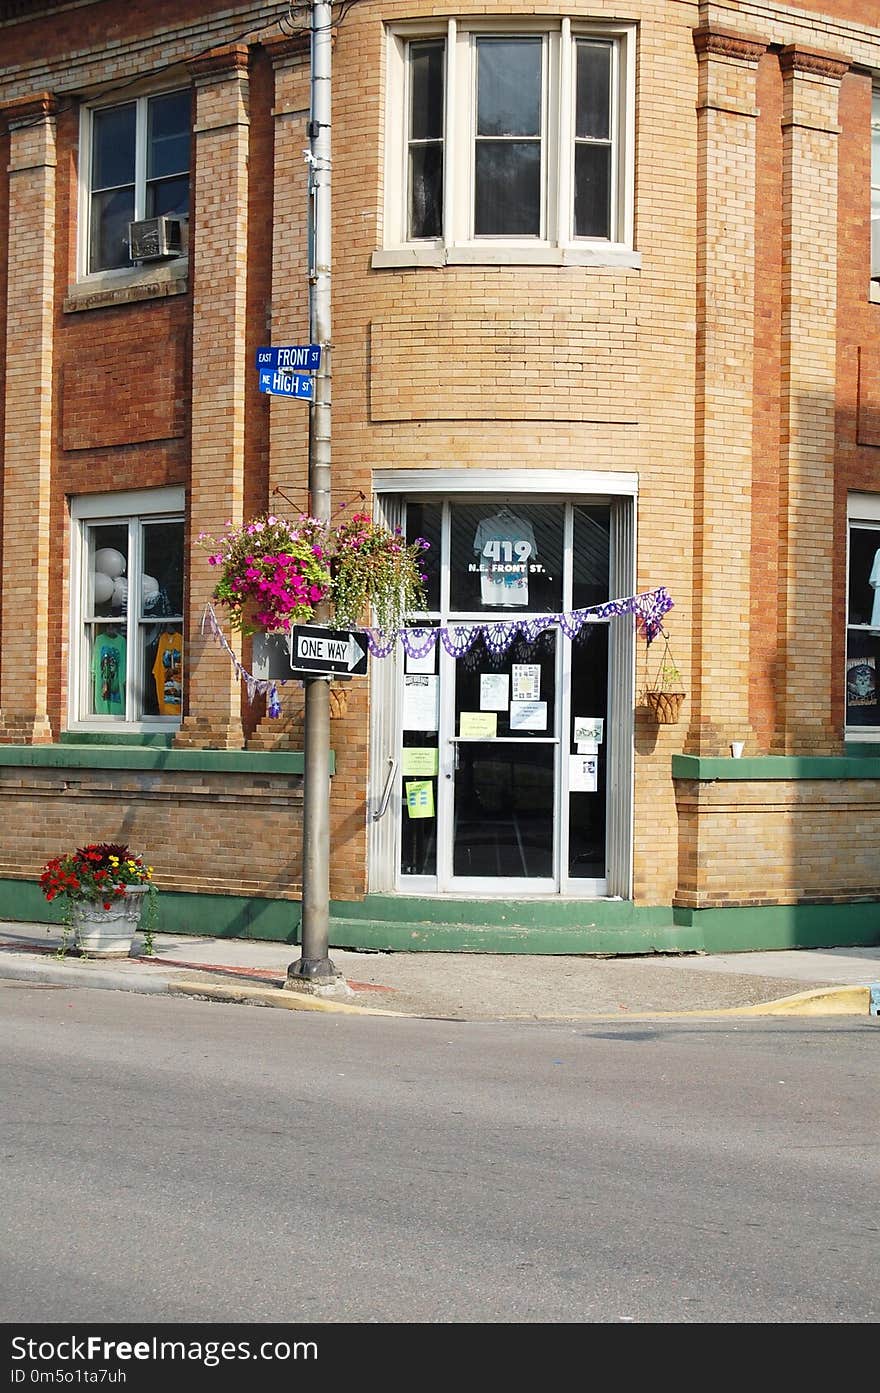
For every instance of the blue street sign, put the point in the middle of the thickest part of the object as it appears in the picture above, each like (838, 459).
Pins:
(287, 384)
(304, 357)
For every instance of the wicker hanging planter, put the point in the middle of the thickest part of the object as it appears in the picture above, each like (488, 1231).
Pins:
(338, 702)
(665, 707)
(665, 696)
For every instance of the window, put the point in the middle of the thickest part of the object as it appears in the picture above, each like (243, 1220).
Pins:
(138, 156)
(127, 610)
(863, 615)
(517, 143)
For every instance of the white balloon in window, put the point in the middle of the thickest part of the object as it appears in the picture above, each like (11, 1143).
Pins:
(119, 598)
(110, 561)
(103, 588)
(149, 586)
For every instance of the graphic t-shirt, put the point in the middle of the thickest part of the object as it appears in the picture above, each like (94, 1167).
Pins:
(108, 671)
(168, 673)
(505, 544)
(874, 580)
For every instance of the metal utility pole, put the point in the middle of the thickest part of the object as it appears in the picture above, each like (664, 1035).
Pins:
(314, 966)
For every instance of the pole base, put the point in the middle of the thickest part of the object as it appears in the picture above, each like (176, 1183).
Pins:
(317, 977)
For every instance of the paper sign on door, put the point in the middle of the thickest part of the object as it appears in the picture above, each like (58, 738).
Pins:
(421, 702)
(424, 762)
(526, 685)
(478, 725)
(420, 797)
(583, 773)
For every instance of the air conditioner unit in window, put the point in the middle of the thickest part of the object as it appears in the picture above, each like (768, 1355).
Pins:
(875, 250)
(156, 239)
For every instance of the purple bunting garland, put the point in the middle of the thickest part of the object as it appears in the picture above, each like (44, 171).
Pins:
(458, 639)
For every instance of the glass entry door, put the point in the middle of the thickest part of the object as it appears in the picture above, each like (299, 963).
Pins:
(503, 754)
(503, 765)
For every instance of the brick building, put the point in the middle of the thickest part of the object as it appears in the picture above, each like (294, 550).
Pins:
(606, 308)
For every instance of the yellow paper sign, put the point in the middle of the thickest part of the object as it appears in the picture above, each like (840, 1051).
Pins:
(420, 797)
(478, 725)
(420, 761)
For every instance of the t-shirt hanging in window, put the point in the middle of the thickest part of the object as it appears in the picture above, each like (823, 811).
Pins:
(168, 673)
(505, 545)
(108, 671)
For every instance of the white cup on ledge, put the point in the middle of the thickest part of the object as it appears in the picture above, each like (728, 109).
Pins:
(736, 748)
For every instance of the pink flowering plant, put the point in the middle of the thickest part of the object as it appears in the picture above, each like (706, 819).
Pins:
(270, 573)
(273, 572)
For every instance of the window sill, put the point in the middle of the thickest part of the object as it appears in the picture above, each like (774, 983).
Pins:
(401, 258)
(152, 282)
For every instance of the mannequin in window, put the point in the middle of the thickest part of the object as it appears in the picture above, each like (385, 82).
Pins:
(108, 672)
(874, 580)
(505, 544)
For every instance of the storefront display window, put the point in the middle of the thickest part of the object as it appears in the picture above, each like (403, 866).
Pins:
(127, 647)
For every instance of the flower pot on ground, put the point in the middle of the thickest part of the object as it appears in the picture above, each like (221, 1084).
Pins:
(108, 932)
(104, 888)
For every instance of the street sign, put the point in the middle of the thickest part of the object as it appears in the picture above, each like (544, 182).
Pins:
(327, 651)
(287, 384)
(302, 357)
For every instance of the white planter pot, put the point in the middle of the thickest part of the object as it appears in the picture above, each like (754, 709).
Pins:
(108, 933)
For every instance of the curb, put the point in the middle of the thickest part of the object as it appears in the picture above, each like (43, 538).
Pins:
(269, 996)
(821, 1001)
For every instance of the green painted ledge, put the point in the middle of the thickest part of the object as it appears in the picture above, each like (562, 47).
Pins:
(70, 756)
(763, 767)
(390, 923)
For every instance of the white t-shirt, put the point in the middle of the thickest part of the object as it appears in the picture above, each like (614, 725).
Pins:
(505, 544)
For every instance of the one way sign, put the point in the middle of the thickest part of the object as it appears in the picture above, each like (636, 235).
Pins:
(327, 651)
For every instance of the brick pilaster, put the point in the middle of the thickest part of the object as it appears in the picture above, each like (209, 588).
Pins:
(27, 445)
(726, 123)
(811, 86)
(219, 369)
(289, 420)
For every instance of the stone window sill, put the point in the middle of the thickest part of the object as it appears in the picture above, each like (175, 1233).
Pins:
(398, 258)
(151, 282)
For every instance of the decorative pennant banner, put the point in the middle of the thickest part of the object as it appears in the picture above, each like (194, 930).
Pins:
(498, 634)
(458, 639)
(253, 685)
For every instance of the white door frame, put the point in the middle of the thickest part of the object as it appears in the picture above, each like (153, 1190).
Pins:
(392, 487)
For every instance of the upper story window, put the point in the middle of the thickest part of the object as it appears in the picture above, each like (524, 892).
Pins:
(515, 139)
(138, 158)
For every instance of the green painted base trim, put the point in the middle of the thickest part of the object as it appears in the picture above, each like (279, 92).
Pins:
(748, 929)
(764, 767)
(538, 914)
(91, 737)
(65, 756)
(212, 916)
(612, 927)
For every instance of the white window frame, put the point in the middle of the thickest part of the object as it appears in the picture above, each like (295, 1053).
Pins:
(140, 96)
(557, 243)
(131, 507)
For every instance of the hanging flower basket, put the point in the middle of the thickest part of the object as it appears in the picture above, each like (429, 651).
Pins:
(665, 695)
(274, 573)
(665, 707)
(338, 702)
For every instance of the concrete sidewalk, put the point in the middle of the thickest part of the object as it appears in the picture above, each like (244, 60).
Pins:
(466, 986)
